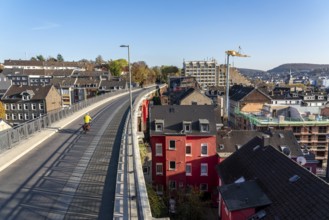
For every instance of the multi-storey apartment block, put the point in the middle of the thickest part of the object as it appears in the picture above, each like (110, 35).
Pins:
(183, 142)
(24, 103)
(205, 72)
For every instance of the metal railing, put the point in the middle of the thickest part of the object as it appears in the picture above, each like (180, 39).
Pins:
(143, 205)
(12, 137)
(262, 120)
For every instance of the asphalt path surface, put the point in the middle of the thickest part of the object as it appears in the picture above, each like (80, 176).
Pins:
(71, 175)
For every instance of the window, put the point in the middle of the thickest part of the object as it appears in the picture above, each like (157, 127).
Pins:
(13, 107)
(159, 189)
(7, 117)
(26, 116)
(322, 129)
(159, 125)
(33, 106)
(26, 106)
(7, 106)
(19, 106)
(172, 165)
(204, 149)
(203, 187)
(20, 116)
(172, 145)
(172, 184)
(204, 169)
(159, 168)
(41, 106)
(146, 170)
(188, 150)
(26, 97)
(158, 149)
(14, 116)
(33, 116)
(187, 126)
(204, 127)
(188, 169)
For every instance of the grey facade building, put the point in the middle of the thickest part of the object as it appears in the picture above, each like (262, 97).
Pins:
(205, 72)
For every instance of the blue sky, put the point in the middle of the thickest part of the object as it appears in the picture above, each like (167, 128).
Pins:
(165, 32)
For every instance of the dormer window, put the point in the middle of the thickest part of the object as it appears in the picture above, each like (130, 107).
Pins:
(204, 125)
(187, 126)
(26, 97)
(159, 124)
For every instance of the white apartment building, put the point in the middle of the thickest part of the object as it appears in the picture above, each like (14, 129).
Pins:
(205, 72)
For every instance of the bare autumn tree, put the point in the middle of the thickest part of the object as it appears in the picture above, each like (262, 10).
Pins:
(2, 111)
(142, 74)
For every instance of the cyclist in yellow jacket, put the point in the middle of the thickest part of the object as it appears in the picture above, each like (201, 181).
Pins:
(87, 119)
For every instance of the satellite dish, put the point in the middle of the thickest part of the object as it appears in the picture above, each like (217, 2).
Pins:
(301, 161)
(286, 150)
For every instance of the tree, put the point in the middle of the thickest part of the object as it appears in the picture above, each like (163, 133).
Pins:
(117, 66)
(158, 207)
(1, 68)
(168, 71)
(157, 73)
(40, 58)
(33, 59)
(99, 60)
(2, 111)
(60, 58)
(142, 74)
(52, 59)
(190, 205)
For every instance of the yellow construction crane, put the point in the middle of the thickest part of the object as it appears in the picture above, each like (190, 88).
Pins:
(229, 53)
(234, 53)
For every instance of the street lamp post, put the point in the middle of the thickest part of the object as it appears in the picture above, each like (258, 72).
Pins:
(130, 95)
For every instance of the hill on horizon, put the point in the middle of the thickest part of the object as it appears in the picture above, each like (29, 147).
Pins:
(298, 67)
(285, 68)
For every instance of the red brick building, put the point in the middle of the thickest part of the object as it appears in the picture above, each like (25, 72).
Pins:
(183, 141)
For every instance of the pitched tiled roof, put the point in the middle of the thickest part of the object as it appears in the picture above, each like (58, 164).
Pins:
(87, 81)
(65, 81)
(229, 141)
(238, 92)
(111, 84)
(295, 192)
(40, 92)
(42, 63)
(37, 72)
(91, 73)
(243, 195)
(174, 115)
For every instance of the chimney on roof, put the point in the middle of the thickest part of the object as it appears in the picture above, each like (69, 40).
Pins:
(266, 140)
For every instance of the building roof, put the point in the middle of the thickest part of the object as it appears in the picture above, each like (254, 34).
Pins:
(42, 63)
(295, 192)
(37, 72)
(87, 81)
(243, 195)
(239, 92)
(174, 115)
(63, 81)
(230, 141)
(113, 83)
(15, 92)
